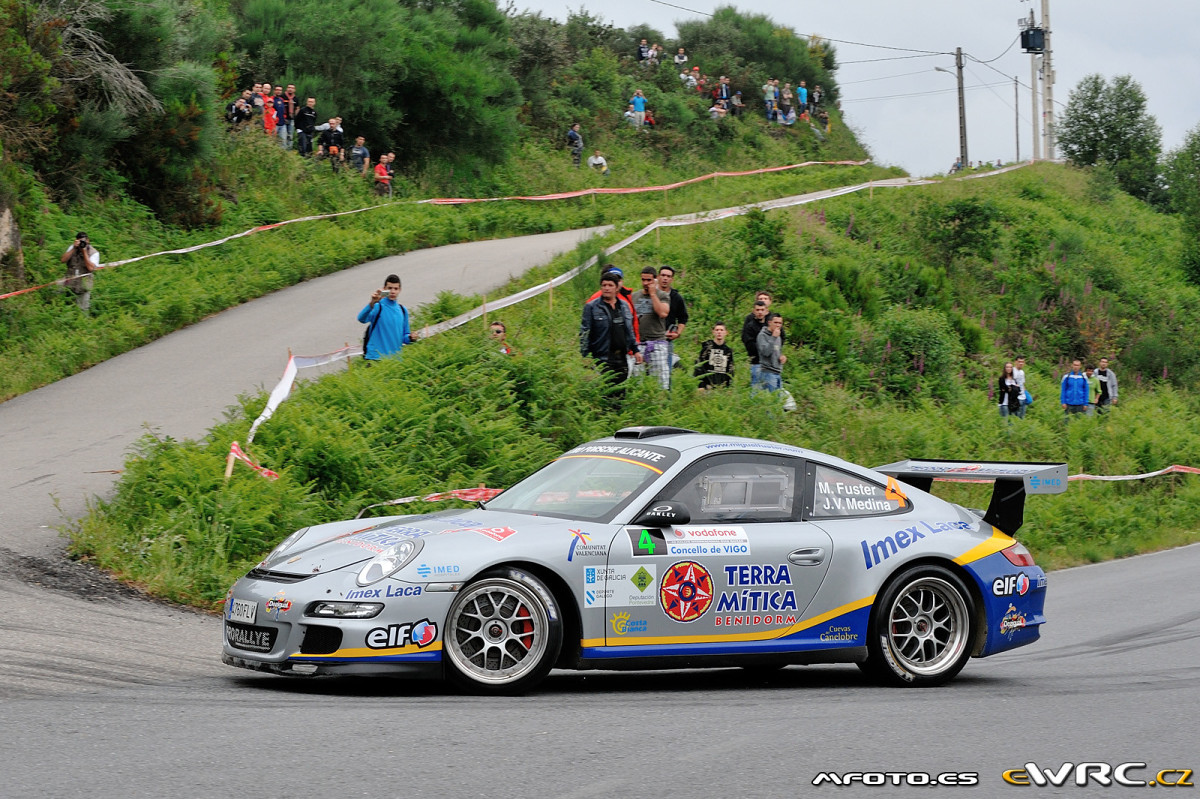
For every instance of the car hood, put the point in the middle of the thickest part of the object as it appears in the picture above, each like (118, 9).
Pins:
(327, 547)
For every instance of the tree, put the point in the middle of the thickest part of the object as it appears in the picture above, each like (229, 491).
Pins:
(1108, 124)
(1181, 173)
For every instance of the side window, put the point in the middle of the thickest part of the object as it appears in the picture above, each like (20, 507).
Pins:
(748, 488)
(839, 494)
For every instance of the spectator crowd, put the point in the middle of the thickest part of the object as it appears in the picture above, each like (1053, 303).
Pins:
(782, 104)
(278, 112)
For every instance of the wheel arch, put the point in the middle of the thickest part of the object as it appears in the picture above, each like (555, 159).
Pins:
(572, 621)
(979, 637)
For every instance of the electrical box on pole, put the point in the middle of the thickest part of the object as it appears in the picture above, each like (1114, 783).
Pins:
(1033, 40)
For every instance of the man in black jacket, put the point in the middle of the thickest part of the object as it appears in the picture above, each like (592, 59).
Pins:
(306, 124)
(750, 330)
(606, 330)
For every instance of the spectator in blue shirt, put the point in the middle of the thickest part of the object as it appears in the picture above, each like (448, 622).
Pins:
(387, 322)
(1074, 390)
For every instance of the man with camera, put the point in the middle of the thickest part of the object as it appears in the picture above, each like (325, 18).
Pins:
(81, 259)
(387, 322)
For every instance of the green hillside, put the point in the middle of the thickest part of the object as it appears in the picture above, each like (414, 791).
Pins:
(111, 122)
(900, 307)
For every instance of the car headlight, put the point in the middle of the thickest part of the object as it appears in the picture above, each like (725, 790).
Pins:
(344, 610)
(286, 544)
(389, 561)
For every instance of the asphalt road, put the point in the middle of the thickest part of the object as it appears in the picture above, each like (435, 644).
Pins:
(107, 695)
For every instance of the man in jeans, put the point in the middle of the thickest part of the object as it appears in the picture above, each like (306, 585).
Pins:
(770, 354)
(653, 306)
(1108, 387)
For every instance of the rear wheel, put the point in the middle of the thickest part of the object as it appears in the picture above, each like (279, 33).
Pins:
(921, 630)
(503, 633)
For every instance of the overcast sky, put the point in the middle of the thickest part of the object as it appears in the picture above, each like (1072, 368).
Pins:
(1156, 42)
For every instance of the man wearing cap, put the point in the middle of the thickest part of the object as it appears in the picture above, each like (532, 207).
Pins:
(81, 259)
(606, 331)
(624, 294)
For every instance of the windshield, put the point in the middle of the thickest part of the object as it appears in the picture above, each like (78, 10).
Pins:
(583, 486)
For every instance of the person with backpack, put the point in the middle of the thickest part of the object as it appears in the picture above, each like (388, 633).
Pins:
(387, 322)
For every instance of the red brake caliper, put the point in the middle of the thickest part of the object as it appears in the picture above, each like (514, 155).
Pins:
(524, 629)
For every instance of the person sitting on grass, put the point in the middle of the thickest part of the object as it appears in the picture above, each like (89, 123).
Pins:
(597, 162)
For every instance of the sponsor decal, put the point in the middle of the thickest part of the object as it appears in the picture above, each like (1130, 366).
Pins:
(452, 521)
(881, 550)
(278, 604)
(690, 541)
(619, 586)
(1012, 621)
(386, 592)
(494, 533)
(738, 621)
(623, 625)
(686, 591)
(758, 575)
(1098, 773)
(896, 778)
(380, 539)
(754, 600)
(1036, 482)
(581, 545)
(1011, 584)
(759, 598)
(255, 639)
(643, 454)
(438, 570)
(836, 633)
(420, 633)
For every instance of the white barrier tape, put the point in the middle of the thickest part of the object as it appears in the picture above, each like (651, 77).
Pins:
(284, 387)
(1172, 469)
(236, 452)
(466, 494)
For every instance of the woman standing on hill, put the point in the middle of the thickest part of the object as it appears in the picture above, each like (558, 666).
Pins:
(1009, 393)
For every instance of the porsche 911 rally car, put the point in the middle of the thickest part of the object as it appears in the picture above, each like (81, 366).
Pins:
(660, 548)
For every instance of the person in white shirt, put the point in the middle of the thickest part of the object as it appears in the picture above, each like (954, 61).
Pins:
(1019, 376)
(597, 162)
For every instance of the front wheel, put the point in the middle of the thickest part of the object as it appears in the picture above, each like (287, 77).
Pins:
(921, 629)
(503, 633)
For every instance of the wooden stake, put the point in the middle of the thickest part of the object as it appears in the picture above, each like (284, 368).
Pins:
(229, 466)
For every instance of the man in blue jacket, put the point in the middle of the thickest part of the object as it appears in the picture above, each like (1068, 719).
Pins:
(1074, 390)
(387, 322)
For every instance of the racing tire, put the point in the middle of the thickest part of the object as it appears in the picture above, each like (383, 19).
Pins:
(503, 633)
(921, 629)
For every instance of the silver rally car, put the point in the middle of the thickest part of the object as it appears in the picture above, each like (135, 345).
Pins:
(660, 548)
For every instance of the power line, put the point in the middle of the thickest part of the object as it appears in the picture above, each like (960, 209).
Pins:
(919, 94)
(891, 58)
(817, 35)
(885, 77)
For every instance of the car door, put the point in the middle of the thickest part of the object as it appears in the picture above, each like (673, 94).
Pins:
(733, 579)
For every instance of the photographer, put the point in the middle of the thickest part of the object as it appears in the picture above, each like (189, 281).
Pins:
(387, 322)
(81, 259)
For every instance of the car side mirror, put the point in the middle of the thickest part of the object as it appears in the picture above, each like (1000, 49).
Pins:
(664, 514)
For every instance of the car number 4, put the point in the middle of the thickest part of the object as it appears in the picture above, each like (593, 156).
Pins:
(243, 611)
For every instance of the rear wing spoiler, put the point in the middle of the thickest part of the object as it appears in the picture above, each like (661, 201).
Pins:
(1012, 479)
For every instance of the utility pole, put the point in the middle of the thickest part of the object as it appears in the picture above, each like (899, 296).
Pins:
(1016, 119)
(962, 107)
(1033, 43)
(1048, 77)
